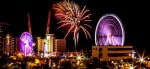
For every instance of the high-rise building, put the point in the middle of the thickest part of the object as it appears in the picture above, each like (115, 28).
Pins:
(10, 45)
(2, 35)
(7, 44)
(49, 43)
(40, 44)
(46, 46)
(1, 39)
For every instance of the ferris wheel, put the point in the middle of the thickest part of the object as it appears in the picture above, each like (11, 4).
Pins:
(26, 43)
(109, 31)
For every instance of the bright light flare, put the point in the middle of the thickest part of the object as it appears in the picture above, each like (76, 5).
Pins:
(79, 57)
(131, 67)
(37, 61)
(141, 56)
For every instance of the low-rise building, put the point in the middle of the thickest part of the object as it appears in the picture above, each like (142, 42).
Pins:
(112, 52)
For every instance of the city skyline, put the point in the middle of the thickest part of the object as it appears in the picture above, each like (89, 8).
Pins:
(132, 15)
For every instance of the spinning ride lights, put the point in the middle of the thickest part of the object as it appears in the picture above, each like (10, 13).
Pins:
(26, 44)
(109, 31)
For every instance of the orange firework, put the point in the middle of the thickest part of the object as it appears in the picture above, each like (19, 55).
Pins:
(70, 16)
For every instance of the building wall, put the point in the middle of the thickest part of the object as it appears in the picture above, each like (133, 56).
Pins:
(50, 42)
(16, 44)
(50, 45)
(7, 44)
(4, 29)
(39, 46)
(112, 52)
(60, 45)
(1, 39)
(10, 45)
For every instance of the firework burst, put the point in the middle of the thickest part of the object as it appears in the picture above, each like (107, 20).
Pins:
(72, 18)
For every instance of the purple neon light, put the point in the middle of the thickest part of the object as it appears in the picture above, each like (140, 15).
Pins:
(109, 31)
(26, 42)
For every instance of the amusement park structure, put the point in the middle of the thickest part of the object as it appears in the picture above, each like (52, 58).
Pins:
(49, 44)
(109, 39)
(47, 27)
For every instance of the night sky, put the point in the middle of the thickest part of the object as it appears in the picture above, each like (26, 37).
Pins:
(134, 16)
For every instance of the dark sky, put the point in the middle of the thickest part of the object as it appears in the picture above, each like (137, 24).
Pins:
(133, 14)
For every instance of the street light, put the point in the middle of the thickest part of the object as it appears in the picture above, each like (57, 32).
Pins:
(19, 55)
(131, 67)
(33, 44)
(141, 59)
(79, 57)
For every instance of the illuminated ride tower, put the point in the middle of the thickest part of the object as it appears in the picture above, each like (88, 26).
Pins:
(29, 25)
(109, 39)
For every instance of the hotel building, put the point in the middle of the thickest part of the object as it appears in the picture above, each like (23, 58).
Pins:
(113, 52)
